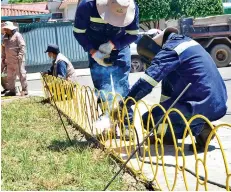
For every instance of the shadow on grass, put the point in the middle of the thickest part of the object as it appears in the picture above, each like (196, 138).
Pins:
(59, 146)
(44, 101)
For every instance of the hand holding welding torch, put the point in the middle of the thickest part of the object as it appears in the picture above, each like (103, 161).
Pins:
(116, 112)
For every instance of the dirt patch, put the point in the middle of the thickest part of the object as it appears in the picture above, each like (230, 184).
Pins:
(98, 154)
(132, 183)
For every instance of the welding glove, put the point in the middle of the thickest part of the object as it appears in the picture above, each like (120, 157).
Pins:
(99, 58)
(140, 89)
(107, 47)
(117, 111)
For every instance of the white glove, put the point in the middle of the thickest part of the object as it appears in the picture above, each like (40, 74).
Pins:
(107, 47)
(99, 58)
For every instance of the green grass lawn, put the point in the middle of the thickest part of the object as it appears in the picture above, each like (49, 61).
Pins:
(37, 156)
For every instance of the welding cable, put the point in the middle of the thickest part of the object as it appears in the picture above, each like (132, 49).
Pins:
(172, 165)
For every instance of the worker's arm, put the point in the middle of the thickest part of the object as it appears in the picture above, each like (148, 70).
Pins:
(82, 21)
(164, 63)
(21, 45)
(50, 71)
(131, 35)
(62, 69)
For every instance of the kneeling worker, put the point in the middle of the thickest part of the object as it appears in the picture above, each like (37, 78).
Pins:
(177, 60)
(61, 66)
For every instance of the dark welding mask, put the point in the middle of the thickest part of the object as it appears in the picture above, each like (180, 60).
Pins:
(147, 48)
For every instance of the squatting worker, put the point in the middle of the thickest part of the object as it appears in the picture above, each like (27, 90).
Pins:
(105, 29)
(177, 60)
(13, 57)
(61, 66)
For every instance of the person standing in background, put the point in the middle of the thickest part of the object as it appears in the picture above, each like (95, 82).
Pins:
(13, 56)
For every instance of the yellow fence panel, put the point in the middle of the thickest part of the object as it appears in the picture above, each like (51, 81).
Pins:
(150, 163)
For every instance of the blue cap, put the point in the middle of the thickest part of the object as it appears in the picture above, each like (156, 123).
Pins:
(53, 49)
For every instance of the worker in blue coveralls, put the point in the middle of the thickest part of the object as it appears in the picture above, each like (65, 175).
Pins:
(177, 60)
(105, 28)
(61, 66)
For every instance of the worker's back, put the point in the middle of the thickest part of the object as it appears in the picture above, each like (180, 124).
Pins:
(207, 94)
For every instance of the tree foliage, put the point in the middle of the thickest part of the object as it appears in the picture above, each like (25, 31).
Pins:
(159, 9)
(153, 9)
(208, 7)
(182, 8)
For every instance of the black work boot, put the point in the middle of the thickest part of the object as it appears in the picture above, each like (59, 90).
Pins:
(166, 140)
(10, 93)
(4, 91)
(201, 139)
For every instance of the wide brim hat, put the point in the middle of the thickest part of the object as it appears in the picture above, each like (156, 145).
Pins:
(119, 13)
(9, 25)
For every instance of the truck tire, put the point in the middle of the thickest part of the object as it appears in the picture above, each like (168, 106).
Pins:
(136, 64)
(221, 54)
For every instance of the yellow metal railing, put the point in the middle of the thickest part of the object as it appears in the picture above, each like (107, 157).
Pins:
(79, 103)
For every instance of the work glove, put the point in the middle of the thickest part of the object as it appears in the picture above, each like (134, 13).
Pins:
(117, 111)
(99, 58)
(107, 47)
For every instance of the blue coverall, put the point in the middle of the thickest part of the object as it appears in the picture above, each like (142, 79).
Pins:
(182, 61)
(91, 31)
(61, 69)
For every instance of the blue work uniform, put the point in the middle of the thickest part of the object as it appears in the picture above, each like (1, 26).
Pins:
(62, 68)
(182, 61)
(59, 69)
(91, 31)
